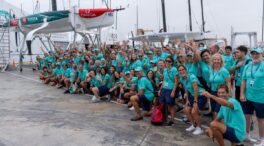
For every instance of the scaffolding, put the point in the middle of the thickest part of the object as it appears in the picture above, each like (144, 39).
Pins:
(4, 47)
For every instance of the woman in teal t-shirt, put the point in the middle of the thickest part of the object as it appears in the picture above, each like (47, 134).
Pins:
(218, 75)
(106, 83)
(195, 100)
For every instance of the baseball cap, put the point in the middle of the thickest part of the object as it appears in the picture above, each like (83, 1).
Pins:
(138, 68)
(258, 50)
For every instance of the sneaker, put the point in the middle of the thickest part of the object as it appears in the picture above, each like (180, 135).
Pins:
(185, 120)
(191, 128)
(108, 97)
(261, 143)
(132, 108)
(198, 131)
(250, 139)
(94, 99)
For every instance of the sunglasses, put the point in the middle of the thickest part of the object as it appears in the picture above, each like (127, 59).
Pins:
(169, 61)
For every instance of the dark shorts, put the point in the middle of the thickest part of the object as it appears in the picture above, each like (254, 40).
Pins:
(231, 135)
(237, 93)
(214, 105)
(201, 101)
(249, 107)
(103, 90)
(145, 103)
(165, 97)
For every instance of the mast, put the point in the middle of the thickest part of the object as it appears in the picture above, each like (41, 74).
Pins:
(164, 15)
(137, 18)
(203, 22)
(54, 5)
(262, 22)
(190, 15)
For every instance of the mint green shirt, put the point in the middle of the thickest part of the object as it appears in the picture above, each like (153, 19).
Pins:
(187, 83)
(239, 72)
(218, 78)
(228, 61)
(253, 74)
(145, 85)
(169, 76)
(82, 74)
(205, 68)
(192, 68)
(234, 118)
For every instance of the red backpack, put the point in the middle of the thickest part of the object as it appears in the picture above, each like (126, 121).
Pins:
(157, 115)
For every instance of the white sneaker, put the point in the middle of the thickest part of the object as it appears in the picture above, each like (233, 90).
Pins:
(191, 128)
(94, 99)
(198, 131)
(250, 139)
(132, 108)
(261, 143)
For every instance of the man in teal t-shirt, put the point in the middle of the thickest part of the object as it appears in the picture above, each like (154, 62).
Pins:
(144, 96)
(230, 121)
(252, 96)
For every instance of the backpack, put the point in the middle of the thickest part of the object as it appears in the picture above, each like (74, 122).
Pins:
(157, 115)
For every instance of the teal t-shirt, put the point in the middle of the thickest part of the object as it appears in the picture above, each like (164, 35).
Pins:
(66, 72)
(169, 76)
(228, 61)
(57, 72)
(239, 72)
(82, 74)
(135, 64)
(234, 118)
(94, 82)
(205, 70)
(253, 74)
(187, 83)
(41, 64)
(218, 78)
(192, 68)
(145, 84)
(73, 75)
(126, 65)
(99, 56)
(76, 60)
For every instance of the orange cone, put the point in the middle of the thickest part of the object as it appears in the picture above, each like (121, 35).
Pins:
(14, 64)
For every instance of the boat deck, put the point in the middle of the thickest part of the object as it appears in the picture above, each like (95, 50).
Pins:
(34, 114)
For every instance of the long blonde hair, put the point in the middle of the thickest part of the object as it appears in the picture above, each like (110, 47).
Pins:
(214, 56)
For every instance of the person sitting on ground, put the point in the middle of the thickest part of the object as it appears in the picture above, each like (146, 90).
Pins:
(45, 75)
(127, 89)
(82, 73)
(92, 81)
(230, 123)
(144, 96)
(56, 74)
(73, 79)
(105, 80)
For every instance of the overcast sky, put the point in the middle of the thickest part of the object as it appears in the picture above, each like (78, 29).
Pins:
(220, 15)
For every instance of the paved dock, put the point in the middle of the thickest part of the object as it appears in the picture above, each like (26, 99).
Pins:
(34, 114)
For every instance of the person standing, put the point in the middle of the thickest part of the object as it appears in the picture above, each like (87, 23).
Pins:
(168, 87)
(238, 68)
(252, 96)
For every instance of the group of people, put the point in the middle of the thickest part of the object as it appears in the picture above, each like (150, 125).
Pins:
(197, 76)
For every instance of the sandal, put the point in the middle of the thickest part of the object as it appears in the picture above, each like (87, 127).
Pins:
(136, 118)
